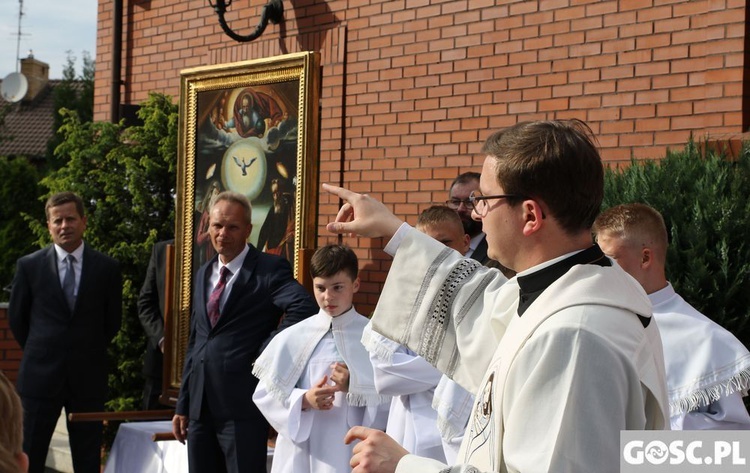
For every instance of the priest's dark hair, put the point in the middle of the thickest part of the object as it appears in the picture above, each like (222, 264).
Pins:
(555, 162)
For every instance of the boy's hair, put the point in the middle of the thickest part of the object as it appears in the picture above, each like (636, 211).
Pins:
(635, 224)
(438, 215)
(554, 161)
(237, 198)
(331, 259)
(63, 198)
(11, 426)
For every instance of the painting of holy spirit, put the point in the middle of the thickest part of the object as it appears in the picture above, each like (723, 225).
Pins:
(247, 143)
(249, 127)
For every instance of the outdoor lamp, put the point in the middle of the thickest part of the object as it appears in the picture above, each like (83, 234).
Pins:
(273, 11)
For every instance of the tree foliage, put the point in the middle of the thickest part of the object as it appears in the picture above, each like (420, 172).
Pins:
(74, 93)
(705, 204)
(127, 179)
(19, 191)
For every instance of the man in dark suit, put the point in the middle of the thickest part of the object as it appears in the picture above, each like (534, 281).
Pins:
(458, 199)
(65, 307)
(239, 297)
(151, 315)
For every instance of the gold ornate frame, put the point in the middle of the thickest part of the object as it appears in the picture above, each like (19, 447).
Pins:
(251, 127)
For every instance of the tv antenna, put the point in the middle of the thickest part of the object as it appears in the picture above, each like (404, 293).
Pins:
(19, 35)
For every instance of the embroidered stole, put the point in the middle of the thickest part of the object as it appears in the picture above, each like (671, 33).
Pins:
(281, 364)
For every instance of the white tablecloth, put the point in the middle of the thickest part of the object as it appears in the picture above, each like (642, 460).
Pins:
(134, 452)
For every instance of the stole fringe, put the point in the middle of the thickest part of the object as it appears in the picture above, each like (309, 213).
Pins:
(273, 386)
(373, 345)
(703, 397)
(272, 383)
(362, 400)
(447, 430)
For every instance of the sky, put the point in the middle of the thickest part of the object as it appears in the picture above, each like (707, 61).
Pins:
(50, 28)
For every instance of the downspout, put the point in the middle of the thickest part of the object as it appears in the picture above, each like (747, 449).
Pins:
(116, 62)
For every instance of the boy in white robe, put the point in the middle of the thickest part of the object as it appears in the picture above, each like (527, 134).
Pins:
(411, 381)
(563, 356)
(316, 381)
(451, 402)
(401, 373)
(708, 369)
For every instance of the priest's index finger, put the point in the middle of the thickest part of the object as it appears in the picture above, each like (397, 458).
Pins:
(341, 192)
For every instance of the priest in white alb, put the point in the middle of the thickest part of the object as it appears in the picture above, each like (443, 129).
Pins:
(562, 357)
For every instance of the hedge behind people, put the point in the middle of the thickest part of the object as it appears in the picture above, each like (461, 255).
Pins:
(705, 200)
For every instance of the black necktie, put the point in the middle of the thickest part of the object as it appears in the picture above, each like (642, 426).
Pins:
(69, 281)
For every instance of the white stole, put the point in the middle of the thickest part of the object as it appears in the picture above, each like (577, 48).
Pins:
(281, 364)
(582, 284)
(704, 361)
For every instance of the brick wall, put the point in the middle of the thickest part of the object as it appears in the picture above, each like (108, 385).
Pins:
(10, 352)
(410, 88)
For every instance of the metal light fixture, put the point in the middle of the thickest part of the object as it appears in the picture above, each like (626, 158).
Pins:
(273, 11)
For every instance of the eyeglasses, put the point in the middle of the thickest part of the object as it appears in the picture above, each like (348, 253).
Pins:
(456, 203)
(478, 202)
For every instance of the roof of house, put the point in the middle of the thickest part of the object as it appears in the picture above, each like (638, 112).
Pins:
(29, 125)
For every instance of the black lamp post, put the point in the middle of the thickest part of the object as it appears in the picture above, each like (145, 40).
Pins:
(273, 11)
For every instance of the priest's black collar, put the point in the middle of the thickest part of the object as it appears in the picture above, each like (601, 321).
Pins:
(532, 285)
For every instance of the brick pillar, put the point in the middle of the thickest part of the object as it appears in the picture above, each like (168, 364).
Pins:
(10, 351)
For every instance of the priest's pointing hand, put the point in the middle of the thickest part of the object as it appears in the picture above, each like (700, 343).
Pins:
(362, 215)
(376, 453)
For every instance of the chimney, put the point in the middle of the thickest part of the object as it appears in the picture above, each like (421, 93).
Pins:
(37, 74)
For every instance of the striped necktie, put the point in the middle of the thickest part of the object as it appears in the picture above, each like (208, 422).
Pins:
(215, 298)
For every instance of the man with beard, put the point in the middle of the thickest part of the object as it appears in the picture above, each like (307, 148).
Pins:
(458, 200)
(277, 233)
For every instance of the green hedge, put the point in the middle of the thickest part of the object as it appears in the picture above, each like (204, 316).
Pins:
(706, 207)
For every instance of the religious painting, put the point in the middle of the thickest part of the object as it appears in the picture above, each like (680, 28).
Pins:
(249, 127)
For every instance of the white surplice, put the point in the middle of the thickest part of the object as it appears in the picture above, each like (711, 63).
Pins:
(311, 441)
(708, 369)
(453, 405)
(411, 381)
(553, 387)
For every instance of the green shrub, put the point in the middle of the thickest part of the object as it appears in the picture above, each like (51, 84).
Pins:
(706, 207)
(19, 191)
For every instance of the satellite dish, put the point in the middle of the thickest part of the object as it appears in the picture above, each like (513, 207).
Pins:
(14, 87)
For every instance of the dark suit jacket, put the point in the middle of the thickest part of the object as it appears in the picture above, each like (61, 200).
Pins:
(59, 347)
(480, 253)
(218, 363)
(151, 309)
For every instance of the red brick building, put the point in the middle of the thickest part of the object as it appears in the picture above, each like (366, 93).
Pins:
(411, 88)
